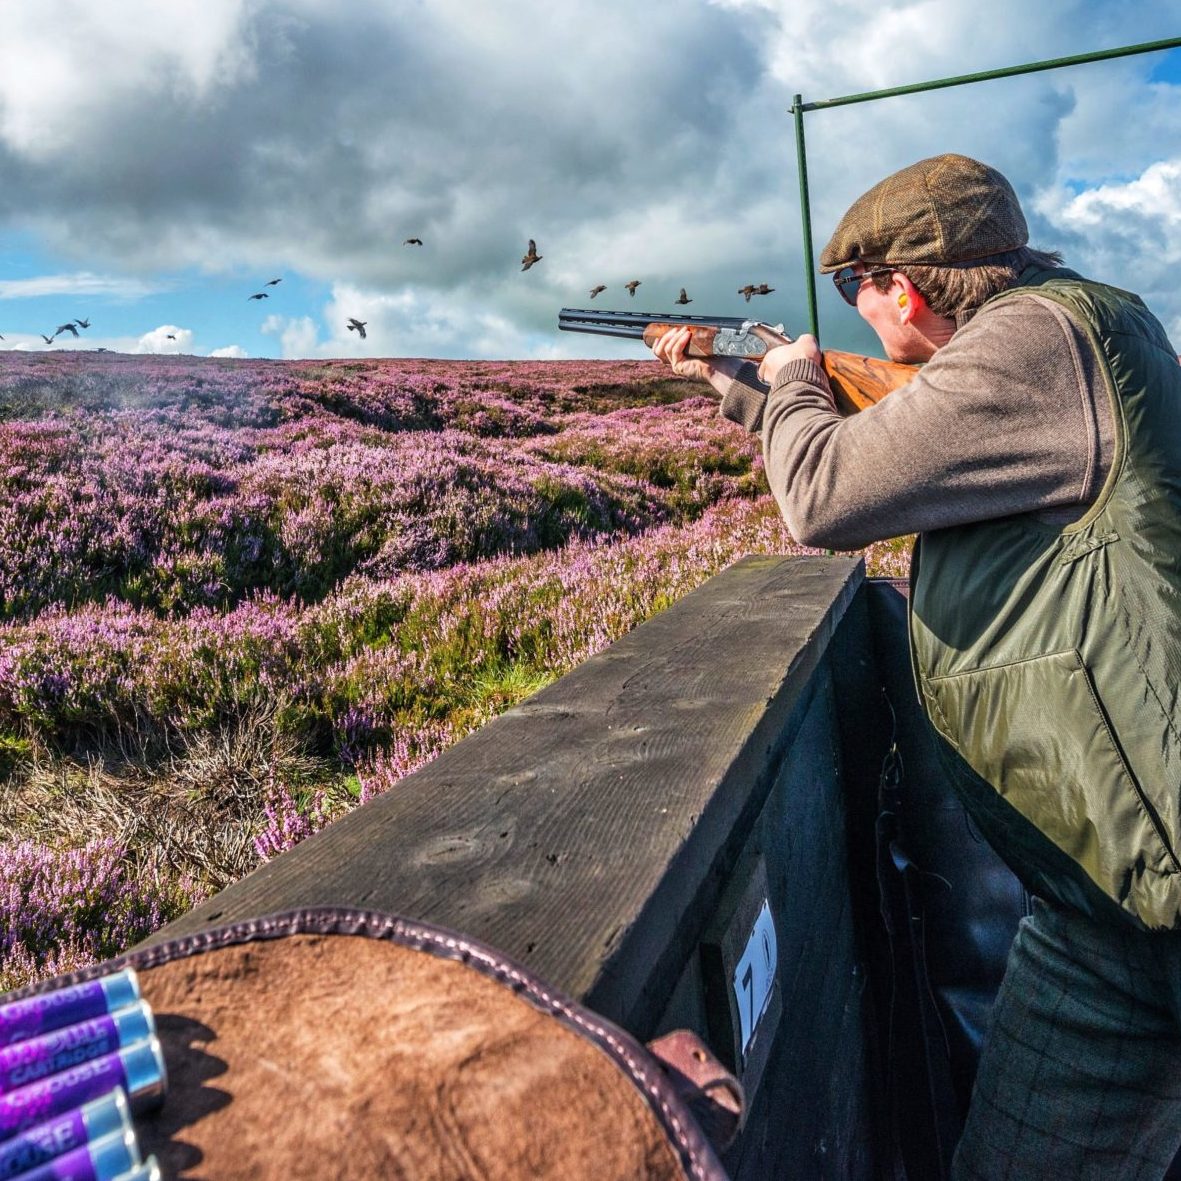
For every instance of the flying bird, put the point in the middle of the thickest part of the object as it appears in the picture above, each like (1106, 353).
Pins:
(531, 256)
(170, 337)
(47, 339)
(68, 327)
(682, 298)
(82, 323)
(763, 289)
(631, 287)
(259, 295)
(358, 326)
(412, 242)
(747, 291)
(272, 282)
(595, 290)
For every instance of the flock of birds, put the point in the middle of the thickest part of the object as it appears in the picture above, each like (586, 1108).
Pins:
(71, 326)
(530, 258)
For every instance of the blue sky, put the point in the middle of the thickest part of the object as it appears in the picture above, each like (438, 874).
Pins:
(160, 162)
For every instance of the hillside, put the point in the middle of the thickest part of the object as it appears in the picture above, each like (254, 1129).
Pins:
(237, 598)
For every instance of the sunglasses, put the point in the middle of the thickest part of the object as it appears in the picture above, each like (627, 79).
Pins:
(848, 281)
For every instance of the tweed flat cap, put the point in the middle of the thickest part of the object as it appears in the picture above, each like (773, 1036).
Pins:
(944, 209)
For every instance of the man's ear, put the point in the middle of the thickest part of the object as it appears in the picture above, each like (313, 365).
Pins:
(909, 298)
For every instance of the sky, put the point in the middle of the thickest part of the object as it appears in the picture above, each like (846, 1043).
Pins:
(162, 162)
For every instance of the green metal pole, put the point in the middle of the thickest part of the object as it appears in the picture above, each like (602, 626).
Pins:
(798, 108)
(806, 215)
(985, 75)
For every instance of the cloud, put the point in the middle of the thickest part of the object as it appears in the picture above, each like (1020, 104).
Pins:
(297, 335)
(81, 283)
(230, 350)
(168, 338)
(1132, 227)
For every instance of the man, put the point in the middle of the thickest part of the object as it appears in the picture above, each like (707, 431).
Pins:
(1037, 453)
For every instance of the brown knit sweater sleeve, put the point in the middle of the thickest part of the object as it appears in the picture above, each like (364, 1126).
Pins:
(1011, 416)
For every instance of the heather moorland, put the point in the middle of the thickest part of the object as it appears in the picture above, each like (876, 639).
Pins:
(239, 598)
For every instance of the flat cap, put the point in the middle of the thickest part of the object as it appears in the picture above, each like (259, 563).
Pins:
(943, 209)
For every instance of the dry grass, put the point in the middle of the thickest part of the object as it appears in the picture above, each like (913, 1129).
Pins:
(193, 811)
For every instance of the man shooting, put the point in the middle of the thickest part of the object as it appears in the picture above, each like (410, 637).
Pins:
(1037, 454)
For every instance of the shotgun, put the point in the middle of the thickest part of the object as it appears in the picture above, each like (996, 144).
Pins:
(857, 382)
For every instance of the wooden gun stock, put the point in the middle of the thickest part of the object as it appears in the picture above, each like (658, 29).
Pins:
(856, 381)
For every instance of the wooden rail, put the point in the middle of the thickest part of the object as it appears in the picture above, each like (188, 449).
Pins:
(621, 831)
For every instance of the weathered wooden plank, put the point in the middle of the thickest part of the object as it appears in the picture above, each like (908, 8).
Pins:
(581, 831)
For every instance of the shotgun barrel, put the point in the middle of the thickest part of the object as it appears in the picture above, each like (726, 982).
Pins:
(601, 322)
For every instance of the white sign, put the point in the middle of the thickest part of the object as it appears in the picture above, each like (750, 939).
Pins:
(754, 977)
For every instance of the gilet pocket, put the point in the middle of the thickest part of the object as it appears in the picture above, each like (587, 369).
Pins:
(1037, 731)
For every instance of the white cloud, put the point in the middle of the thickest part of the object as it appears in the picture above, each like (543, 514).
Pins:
(230, 350)
(57, 56)
(168, 338)
(80, 284)
(1129, 233)
(297, 336)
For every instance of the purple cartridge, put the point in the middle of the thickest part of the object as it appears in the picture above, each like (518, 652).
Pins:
(64, 1132)
(100, 1160)
(50, 1053)
(67, 1006)
(138, 1069)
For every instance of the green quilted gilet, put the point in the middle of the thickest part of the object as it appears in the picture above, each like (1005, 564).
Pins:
(1049, 657)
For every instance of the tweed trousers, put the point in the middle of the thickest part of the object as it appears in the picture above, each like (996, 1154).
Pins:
(1080, 1075)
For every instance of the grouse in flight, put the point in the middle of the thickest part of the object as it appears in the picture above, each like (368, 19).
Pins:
(47, 339)
(259, 295)
(82, 323)
(631, 287)
(595, 290)
(272, 282)
(358, 326)
(531, 256)
(170, 336)
(763, 289)
(412, 242)
(682, 298)
(747, 291)
(65, 328)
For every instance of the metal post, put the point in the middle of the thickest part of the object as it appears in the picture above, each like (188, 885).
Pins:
(806, 215)
(798, 108)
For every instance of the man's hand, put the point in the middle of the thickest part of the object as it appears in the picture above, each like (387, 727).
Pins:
(803, 348)
(670, 349)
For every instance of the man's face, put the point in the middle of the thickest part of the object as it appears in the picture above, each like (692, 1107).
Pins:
(882, 311)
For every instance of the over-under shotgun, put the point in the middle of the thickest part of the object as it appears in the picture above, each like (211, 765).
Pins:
(856, 381)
